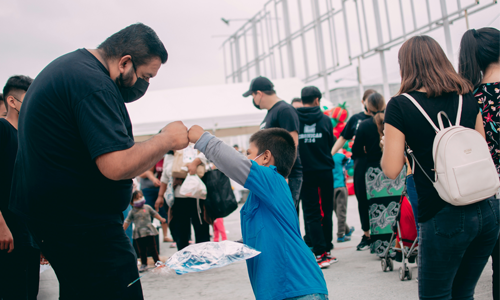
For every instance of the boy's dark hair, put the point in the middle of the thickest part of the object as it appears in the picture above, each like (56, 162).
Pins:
(282, 147)
(294, 100)
(136, 40)
(16, 83)
(136, 195)
(1, 99)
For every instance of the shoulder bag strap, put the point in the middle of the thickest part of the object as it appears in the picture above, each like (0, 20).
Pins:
(422, 111)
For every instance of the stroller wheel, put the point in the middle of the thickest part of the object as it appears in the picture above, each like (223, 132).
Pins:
(383, 264)
(408, 273)
(401, 274)
(390, 264)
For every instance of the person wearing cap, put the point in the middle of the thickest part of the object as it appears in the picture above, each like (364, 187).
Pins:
(279, 115)
(315, 141)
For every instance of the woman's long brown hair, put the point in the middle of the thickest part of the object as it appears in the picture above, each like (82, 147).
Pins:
(423, 64)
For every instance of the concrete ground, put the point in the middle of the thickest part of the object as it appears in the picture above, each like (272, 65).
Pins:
(357, 275)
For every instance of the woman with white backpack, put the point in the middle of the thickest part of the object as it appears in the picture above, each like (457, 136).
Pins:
(457, 213)
(479, 63)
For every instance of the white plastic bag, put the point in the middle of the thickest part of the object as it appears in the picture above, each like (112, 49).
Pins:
(193, 187)
(204, 256)
(189, 154)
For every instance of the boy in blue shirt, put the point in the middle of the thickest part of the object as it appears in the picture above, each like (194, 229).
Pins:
(340, 195)
(286, 267)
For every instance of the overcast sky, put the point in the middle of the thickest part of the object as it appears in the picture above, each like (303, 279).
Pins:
(34, 32)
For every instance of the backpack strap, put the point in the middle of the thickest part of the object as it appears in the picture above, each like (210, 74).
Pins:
(423, 111)
(459, 113)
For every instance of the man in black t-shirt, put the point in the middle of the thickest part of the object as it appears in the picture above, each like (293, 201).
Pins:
(19, 254)
(349, 133)
(281, 115)
(76, 158)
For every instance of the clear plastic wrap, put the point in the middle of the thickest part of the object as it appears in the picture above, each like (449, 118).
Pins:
(205, 256)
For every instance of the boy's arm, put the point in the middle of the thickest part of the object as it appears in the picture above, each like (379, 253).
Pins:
(226, 158)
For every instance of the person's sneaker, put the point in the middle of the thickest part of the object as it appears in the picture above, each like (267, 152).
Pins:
(143, 268)
(351, 230)
(173, 245)
(345, 238)
(323, 261)
(364, 244)
(332, 259)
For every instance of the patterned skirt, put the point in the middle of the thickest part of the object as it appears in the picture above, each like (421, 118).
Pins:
(383, 202)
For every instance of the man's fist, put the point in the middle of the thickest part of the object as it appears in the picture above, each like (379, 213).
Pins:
(176, 134)
(195, 133)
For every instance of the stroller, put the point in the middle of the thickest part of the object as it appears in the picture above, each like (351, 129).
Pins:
(405, 233)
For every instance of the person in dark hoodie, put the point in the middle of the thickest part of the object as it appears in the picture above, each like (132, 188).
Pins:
(315, 141)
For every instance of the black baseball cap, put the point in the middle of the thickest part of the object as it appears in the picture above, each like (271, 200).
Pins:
(310, 91)
(259, 84)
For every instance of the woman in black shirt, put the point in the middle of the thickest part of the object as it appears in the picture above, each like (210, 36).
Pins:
(479, 63)
(382, 193)
(455, 241)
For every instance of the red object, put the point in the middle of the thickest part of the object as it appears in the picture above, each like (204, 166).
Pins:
(340, 113)
(338, 129)
(350, 188)
(407, 222)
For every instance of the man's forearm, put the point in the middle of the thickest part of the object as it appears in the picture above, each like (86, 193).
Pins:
(132, 162)
(163, 189)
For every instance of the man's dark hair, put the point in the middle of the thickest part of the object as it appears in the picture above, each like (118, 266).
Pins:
(1, 99)
(282, 147)
(16, 84)
(295, 100)
(136, 40)
(269, 93)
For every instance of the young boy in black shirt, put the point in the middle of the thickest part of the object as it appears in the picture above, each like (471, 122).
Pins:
(315, 142)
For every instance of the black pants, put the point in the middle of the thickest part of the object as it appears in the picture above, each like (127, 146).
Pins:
(360, 191)
(19, 273)
(145, 244)
(319, 228)
(185, 212)
(496, 271)
(90, 262)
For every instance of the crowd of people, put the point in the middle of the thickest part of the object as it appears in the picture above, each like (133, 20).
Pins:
(68, 158)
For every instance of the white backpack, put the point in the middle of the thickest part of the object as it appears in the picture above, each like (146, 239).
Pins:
(464, 170)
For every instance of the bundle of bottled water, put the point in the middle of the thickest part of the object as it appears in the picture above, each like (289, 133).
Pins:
(205, 256)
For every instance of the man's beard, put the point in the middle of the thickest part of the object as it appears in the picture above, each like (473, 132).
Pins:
(125, 81)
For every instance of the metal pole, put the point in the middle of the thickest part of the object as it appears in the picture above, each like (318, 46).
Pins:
(331, 29)
(466, 19)
(428, 13)
(378, 24)
(346, 29)
(321, 48)
(446, 27)
(402, 19)
(255, 47)
(246, 54)
(238, 58)
(388, 19)
(366, 25)
(232, 62)
(359, 24)
(360, 82)
(286, 20)
(304, 48)
(224, 58)
(279, 38)
(413, 15)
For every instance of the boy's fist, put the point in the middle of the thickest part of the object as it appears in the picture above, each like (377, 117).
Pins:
(195, 133)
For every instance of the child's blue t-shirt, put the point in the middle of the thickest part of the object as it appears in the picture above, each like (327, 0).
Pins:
(286, 267)
(341, 162)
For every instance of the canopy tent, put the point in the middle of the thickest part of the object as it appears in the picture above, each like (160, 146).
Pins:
(220, 108)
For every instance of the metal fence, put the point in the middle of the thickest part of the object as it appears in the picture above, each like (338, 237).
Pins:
(313, 39)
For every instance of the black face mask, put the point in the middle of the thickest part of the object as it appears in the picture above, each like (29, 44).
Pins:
(255, 104)
(135, 92)
(366, 109)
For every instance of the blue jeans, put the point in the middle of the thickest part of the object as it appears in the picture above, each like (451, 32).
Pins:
(310, 297)
(454, 248)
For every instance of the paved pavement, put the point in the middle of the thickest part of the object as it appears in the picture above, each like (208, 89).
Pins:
(357, 275)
